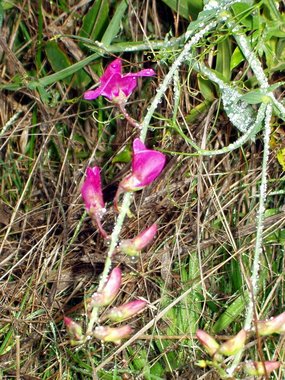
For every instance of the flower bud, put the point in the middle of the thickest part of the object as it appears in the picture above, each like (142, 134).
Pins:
(260, 368)
(109, 291)
(132, 247)
(120, 313)
(112, 334)
(209, 343)
(233, 345)
(74, 329)
(272, 325)
(92, 195)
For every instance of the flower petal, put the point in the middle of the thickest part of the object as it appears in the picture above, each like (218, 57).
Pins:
(92, 191)
(142, 73)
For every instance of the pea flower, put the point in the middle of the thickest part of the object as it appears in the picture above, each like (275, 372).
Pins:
(147, 164)
(132, 247)
(109, 291)
(125, 311)
(114, 85)
(272, 325)
(92, 195)
(260, 368)
(112, 334)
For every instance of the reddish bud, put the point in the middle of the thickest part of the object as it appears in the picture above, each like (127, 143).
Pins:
(209, 343)
(109, 291)
(233, 345)
(92, 195)
(120, 313)
(74, 329)
(260, 368)
(272, 325)
(112, 334)
(132, 247)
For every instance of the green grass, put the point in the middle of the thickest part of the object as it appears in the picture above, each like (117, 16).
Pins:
(196, 273)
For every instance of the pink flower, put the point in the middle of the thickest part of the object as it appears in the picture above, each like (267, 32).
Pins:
(109, 291)
(147, 164)
(272, 325)
(92, 195)
(128, 310)
(260, 368)
(112, 334)
(132, 247)
(115, 86)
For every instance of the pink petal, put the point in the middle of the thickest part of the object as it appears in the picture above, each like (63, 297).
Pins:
(147, 165)
(114, 68)
(93, 94)
(127, 84)
(142, 73)
(138, 146)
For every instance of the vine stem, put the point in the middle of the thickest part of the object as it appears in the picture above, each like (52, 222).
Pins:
(253, 290)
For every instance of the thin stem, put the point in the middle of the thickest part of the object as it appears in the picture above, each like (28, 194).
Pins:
(259, 239)
(108, 262)
(132, 121)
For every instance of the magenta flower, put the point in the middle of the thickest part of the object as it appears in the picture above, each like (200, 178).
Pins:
(132, 247)
(109, 291)
(92, 195)
(112, 334)
(115, 86)
(125, 311)
(147, 164)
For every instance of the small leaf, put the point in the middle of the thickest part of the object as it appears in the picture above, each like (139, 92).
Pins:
(281, 158)
(255, 97)
(236, 58)
(94, 23)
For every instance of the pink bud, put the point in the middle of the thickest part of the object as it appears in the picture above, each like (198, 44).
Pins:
(209, 343)
(73, 329)
(147, 164)
(120, 313)
(109, 291)
(132, 247)
(233, 345)
(260, 368)
(272, 325)
(112, 334)
(93, 197)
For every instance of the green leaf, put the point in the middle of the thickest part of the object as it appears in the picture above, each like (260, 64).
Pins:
(255, 97)
(60, 61)
(223, 59)
(232, 313)
(206, 88)
(188, 9)
(94, 23)
(236, 58)
(114, 25)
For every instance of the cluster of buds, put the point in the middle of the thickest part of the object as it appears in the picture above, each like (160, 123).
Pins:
(147, 164)
(236, 344)
(115, 314)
